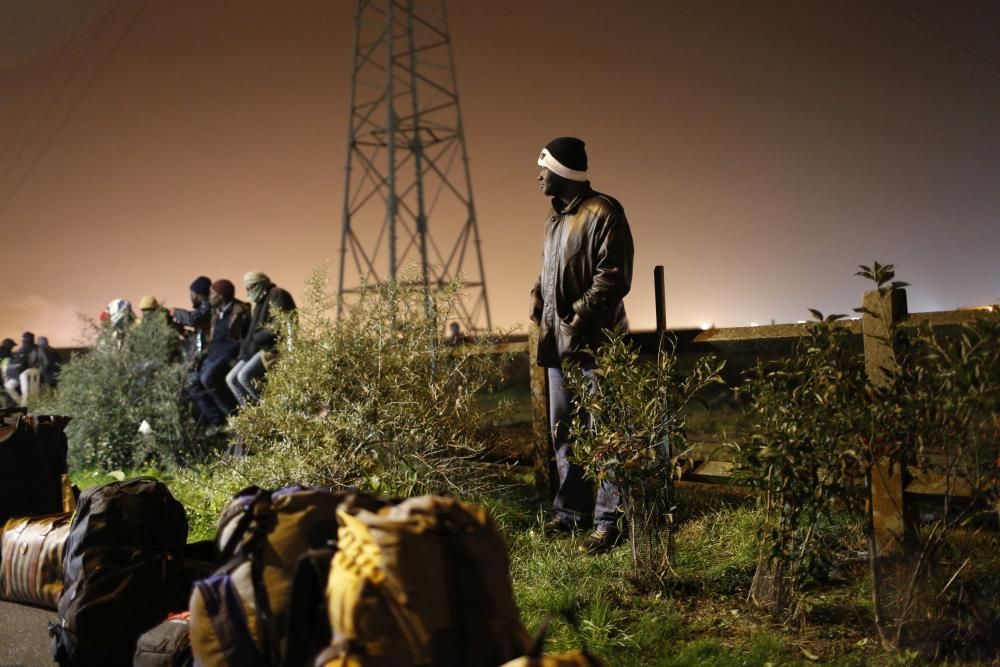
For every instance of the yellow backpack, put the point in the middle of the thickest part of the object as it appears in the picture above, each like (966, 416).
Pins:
(574, 658)
(425, 581)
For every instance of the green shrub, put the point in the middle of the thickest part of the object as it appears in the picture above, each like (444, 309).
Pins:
(376, 399)
(630, 428)
(119, 382)
(820, 426)
(804, 453)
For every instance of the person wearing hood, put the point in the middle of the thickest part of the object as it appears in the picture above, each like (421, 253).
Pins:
(23, 359)
(121, 319)
(258, 345)
(49, 362)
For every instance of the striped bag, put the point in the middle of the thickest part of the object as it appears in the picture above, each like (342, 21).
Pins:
(31, 554)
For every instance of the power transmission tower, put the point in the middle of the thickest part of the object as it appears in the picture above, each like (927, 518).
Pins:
(407, 164)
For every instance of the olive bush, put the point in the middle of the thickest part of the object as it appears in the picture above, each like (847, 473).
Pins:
(376, 399)
(819, 427)
(122, 380)
(630, 428)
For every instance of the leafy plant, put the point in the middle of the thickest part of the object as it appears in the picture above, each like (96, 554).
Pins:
(821, 424)
(803, 453)
(121, 381)
(630, 428)
(376, 400)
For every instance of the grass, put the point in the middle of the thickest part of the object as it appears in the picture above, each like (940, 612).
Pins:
(700, 617)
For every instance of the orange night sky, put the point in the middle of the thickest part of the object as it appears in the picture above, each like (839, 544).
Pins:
(761, 150)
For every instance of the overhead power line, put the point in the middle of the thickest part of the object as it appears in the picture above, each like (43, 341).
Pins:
(36, 98)
(55, 100)
(76, 104)
(927, 23)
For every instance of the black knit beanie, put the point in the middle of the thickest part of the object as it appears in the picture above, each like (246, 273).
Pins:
(569, 151)
(225, 289)
(201, 285)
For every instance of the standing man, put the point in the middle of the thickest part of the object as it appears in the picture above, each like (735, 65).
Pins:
(586, 273)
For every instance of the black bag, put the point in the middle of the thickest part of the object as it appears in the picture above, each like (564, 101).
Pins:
(123, 571)
(166, 645)
(307, 631)
(32, 462)
(121, 593)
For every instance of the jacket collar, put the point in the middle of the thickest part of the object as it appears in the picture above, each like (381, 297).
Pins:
(570, 207)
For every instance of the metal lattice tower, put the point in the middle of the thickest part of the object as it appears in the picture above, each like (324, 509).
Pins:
(407, 164)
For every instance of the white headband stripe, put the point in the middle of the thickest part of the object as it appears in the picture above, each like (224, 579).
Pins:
(555, 166)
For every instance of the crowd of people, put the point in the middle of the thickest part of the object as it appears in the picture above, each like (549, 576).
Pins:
(26, 367)
(228, 344)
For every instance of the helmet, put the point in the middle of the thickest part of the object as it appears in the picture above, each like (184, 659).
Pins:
(148, 302)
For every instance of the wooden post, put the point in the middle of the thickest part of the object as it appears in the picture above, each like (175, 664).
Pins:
(893, 531)
(546, 477)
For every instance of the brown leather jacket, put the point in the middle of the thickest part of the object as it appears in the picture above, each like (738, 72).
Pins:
(586, 271)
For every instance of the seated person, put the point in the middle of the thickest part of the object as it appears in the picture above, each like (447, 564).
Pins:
(258, 346)
(6, 349)
(49, 362)
(230, 318)
(23, 359)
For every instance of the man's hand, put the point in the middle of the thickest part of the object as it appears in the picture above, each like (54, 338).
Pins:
(535, 307)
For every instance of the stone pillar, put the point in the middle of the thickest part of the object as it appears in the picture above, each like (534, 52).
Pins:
(893, 530)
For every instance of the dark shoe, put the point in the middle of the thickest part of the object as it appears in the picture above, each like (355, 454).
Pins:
(601, 541)
(556, 527)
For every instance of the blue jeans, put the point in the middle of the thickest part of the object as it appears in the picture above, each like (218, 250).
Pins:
(575, 503)
(213, 378)
(243, 378)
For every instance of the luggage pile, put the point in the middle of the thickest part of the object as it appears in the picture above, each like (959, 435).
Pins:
(33, 526)
(300, 576)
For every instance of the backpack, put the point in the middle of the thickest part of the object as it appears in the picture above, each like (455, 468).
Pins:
(575, 658)
(32, 462)
(123, 571)
(308, 629)
(166, 645)
(239, 615)
(425, 581)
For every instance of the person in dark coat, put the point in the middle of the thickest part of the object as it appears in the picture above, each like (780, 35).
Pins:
(586, 273)
(196, 321)
(230, 320)
(194, 325)
(6, 350)
(49, 362)
(24, 358)
(258, 346)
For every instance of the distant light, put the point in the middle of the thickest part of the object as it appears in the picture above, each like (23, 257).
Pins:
(705, 326)
(754, 324)
(800, 321)
(855, 318)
